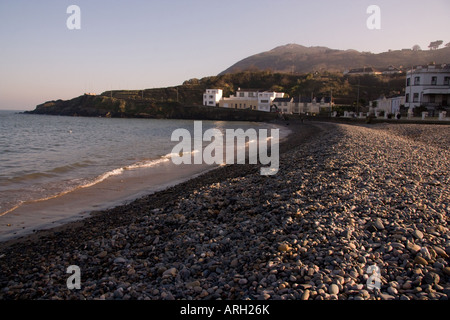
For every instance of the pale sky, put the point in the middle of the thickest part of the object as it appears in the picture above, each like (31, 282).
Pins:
(137, 44)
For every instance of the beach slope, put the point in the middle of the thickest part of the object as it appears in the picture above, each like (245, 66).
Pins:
(352, 207)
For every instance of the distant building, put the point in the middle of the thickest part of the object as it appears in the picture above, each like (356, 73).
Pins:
(266, 98)
(389, 105)
(283, 105)
(243, 99)
(212, 97)
(428, 86)
(253, 99)
(303, 105)
(391, 70)
(373, 71)
(362, 71)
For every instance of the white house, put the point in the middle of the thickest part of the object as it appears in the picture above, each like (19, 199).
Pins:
(266, 98)
(212, 97)
(243, 99)
(303, 105)
(389, 105)
(428, 86)
(250, 99)
(284, 105)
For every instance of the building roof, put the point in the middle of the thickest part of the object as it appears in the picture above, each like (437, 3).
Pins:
(432, 67)
(309, 100)
(391, 69)
(249, 90)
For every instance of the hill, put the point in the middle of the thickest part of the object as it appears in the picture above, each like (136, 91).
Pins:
(294, 58)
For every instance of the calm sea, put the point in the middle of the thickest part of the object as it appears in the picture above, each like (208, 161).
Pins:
(46, 156)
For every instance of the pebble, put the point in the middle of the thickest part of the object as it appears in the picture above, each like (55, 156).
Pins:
(379, 224)
(431, 278)
(420, 260)
(446, 271)
(305, 295)
(418, 234)
(120, 260)
(284, 248)
(413, 247)
(333, 289)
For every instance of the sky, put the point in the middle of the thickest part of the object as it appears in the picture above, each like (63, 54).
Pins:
(137, 44)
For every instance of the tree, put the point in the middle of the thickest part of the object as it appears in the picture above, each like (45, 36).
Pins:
(417, 48)
(448, 45)
(435, 44)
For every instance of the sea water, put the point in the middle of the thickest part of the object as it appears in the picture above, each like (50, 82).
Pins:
(44, 157)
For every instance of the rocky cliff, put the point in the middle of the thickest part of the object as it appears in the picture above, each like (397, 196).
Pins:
(102, 106)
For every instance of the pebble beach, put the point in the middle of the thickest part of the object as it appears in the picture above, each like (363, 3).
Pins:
(347, 200)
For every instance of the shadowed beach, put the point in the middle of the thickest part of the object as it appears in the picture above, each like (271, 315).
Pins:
(346, 197)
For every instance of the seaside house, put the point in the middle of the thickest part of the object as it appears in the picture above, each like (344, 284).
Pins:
(283, 105)
(243, 99)
(266, 98)
(391, 70)
(212, 97)
(428, 86)
(253, 99)
(389, 105)
(303, 105)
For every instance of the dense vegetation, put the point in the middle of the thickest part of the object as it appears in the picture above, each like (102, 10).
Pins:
(344, 89)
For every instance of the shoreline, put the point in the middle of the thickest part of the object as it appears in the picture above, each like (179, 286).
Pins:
(41, 216)
(346, 198)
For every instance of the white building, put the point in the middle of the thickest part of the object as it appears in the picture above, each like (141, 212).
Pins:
(252, 99)
(389, 105)
(428, 86)
(266, 98)
(302, 105)
(283, 105)
(212, 97)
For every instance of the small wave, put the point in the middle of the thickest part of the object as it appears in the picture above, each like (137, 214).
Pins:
(103, 177)
(147, 163)
(89, 183)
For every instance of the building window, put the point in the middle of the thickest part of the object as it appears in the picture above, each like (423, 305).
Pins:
(417, 81)
(241, 94)
(416, 97)
(446, 81)
(408, 82)
(264, 101)
(407, 98)
(432, 99)
(433, 81)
